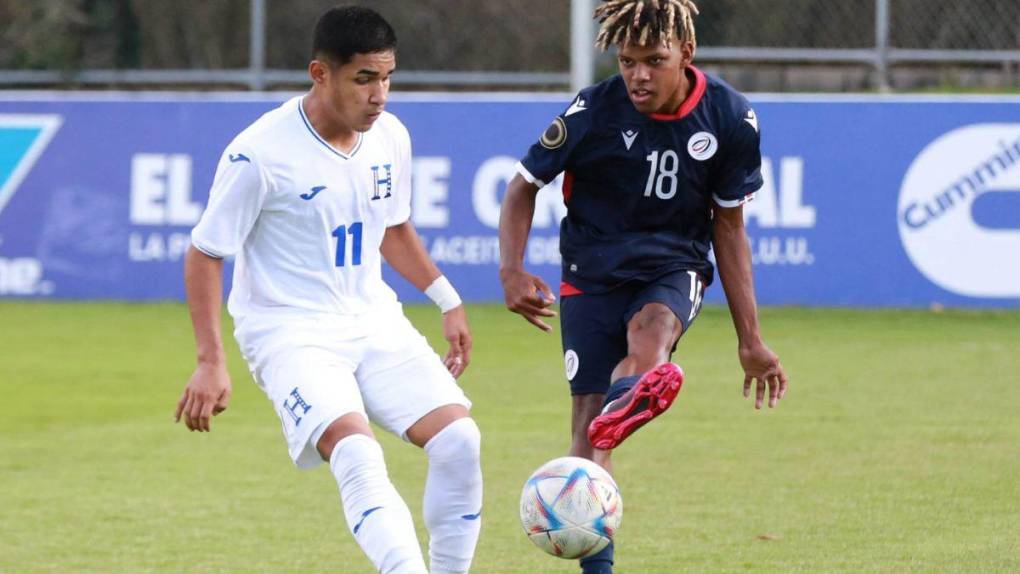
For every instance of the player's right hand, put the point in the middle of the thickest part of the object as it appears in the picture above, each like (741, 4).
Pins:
(762, 366)
(528, 296)
(207, 394)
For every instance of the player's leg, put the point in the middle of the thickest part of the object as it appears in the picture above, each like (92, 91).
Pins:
(409, 392)
(318, 401)
(377, 515)
(584, 409)
(594, 341)
(452, 503)
(644, 382)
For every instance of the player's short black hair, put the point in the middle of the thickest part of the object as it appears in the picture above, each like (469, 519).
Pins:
(345, 31)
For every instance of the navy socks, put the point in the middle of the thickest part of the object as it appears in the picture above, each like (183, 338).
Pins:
(602, 562)
(620, 387)
(599, 563)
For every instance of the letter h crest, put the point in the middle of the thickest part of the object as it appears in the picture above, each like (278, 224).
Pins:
(379, 183)
(298, 404)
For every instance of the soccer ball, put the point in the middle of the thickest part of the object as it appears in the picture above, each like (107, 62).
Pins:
(571, 507)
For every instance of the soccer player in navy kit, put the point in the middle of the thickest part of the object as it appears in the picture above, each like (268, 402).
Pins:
(657, 163)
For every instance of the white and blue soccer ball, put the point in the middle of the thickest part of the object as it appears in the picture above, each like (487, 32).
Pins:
(571, 507)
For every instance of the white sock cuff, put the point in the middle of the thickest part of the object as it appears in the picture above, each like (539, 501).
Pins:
(459, 438)
(367, 446)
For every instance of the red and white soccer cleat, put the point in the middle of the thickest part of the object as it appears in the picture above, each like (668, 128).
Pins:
(649, 398)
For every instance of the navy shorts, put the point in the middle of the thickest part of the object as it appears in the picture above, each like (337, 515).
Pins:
(594, 326)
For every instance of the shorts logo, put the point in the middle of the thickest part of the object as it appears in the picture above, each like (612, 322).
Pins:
(702, 146)
(954, 213)
(555, 135)
(572, 363)
(298, 404)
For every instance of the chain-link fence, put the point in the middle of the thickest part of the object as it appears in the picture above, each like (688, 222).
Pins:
(451, 43)
(847, 24)
(827, 24)
(959, 25)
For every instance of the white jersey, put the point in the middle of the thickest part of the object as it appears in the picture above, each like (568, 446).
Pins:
(306, 220)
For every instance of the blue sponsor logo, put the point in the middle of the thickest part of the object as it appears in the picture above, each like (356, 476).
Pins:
(23, 137)
(315, 191)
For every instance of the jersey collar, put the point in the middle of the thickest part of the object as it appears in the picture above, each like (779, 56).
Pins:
(315, 134)
(692, 101)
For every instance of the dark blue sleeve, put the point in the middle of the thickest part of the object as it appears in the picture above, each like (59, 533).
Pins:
(552, 153)
(737, 176)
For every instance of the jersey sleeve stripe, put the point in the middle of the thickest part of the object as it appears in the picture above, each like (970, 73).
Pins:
(733, 202)
(207, 251)
(527, 176)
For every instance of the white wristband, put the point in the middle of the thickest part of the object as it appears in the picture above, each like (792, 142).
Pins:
(443, 294)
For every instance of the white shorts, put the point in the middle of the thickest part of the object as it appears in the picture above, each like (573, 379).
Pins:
(316, 369)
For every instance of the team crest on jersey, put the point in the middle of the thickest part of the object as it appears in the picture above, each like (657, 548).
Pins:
(555, 135)
(702, 146)
(382, 184)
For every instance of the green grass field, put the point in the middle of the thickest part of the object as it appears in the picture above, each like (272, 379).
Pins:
(896, 450)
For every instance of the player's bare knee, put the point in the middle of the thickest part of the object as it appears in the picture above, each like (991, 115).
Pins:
(430, 425)
(652, 333)
(339, 429)
(653, 318)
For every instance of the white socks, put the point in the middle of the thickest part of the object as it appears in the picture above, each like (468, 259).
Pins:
(376, 515)
(379, 518)
(453, 496)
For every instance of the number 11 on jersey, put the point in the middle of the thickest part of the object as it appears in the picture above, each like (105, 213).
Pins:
(341, 234)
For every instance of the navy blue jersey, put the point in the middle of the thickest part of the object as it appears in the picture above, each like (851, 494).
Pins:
(639, 188)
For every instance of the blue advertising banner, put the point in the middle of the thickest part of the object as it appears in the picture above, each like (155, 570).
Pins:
(868, 201)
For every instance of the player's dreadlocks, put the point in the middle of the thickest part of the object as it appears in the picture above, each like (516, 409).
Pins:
(643, 21)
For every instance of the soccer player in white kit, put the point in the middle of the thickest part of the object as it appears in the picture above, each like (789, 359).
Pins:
(309, 198)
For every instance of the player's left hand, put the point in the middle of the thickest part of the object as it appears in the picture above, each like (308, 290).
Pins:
(762, 366)
(457, 333)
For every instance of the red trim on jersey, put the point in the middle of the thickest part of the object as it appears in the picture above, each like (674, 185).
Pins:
(566, 290)
(692, 100)
(568, 185)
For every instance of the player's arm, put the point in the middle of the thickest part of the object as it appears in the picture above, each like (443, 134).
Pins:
(208, 391)
(404, 251)
(524, 293)
(235, 201)
(733, 259)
